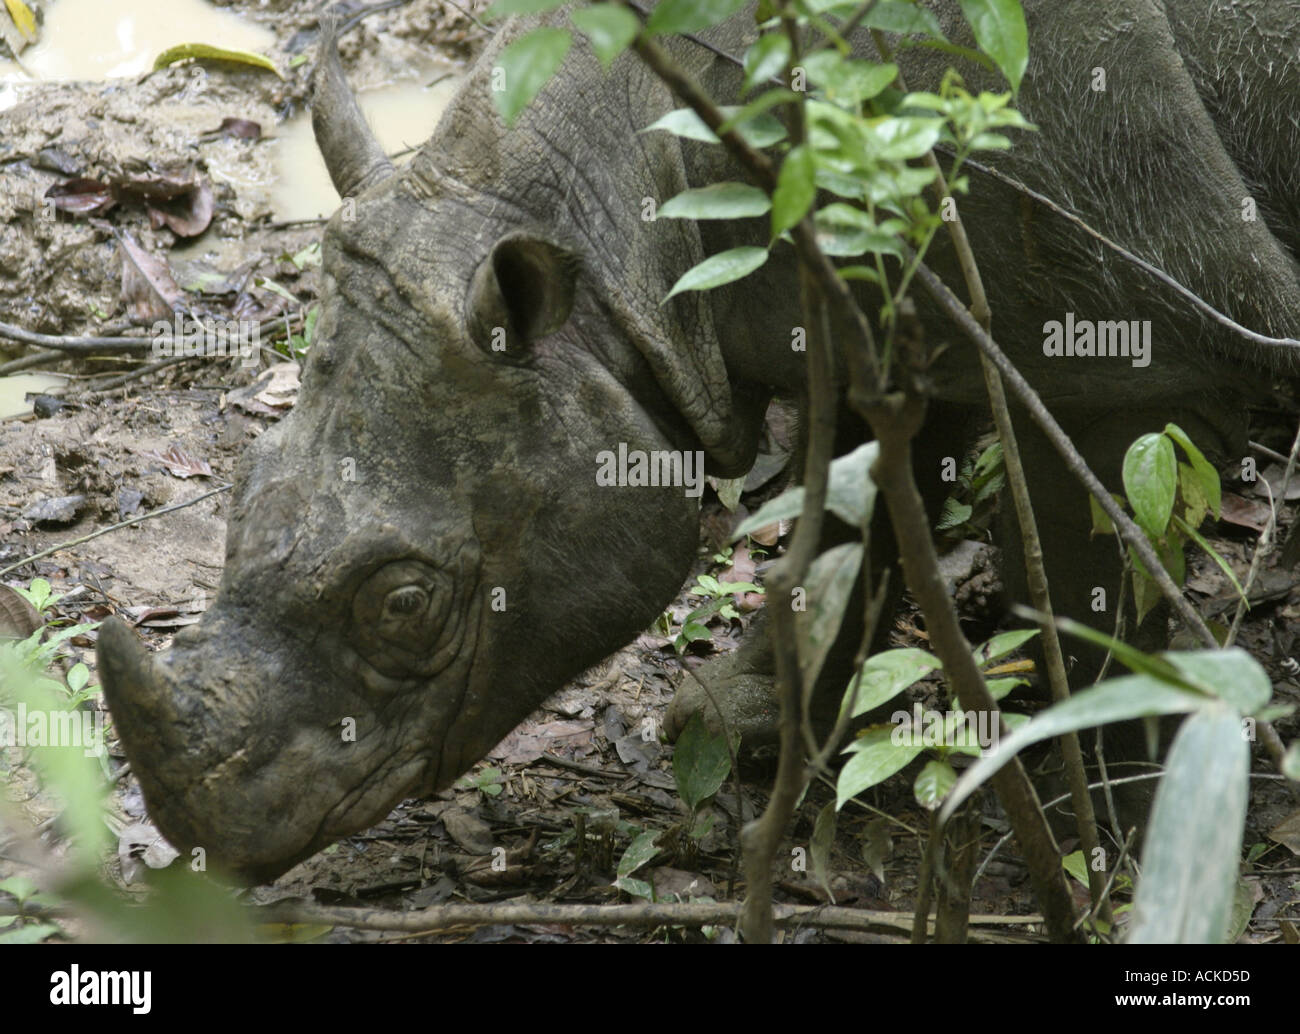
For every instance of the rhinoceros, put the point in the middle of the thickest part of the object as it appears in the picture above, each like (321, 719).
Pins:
(425, 549)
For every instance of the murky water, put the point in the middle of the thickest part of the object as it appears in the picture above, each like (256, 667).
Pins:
(101, 39)
(105, 39)
(15, 387)
(402, 115)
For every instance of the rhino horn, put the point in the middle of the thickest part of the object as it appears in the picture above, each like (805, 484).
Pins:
(352, 154)
(142, 706)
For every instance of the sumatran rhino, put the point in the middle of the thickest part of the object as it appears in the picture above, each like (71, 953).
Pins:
(422, 551)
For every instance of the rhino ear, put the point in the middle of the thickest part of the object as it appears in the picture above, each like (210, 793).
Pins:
(522, 291)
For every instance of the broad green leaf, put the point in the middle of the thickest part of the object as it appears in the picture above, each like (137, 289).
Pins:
(875, 758)
(1207, 476)
(886, 674)
(795, 190)
(1232, 675)
(1002, 644)
(527, 65)
(723, 268)
(1115, 700)
(765, 59)
(903, 137)
(850, 494)
(1131, 657)
(1000, 30)
(904, 18)
(933, 783)
(641, 850)
(760, 131)
(1192, 845)
(204, 52)
(829, 584)
(610, 27)
(691, 15)
(998, 688)
(32, 933)
(700, 763)
(1151, 480)
(717, 201)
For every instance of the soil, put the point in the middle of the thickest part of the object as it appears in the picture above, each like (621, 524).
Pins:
(142, 445)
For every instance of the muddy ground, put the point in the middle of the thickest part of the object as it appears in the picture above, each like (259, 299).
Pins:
(113, 448)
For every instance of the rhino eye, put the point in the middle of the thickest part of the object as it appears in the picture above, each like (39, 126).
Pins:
(408, 600)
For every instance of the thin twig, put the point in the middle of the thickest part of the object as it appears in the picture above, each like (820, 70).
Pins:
(114, 527)
(86, 343)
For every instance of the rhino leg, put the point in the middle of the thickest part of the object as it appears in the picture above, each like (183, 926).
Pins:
(743, 683)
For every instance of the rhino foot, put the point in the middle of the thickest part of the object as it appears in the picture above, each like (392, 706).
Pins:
(741, 684)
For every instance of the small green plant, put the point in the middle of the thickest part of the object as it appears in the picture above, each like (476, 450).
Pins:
(721, 603)
(881, 750)
(488, 780)
(1169, 499)
(966, 513)
(701, 762)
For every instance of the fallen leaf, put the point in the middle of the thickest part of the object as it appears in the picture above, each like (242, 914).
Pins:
(82, 196)
(148, 289)
(1243, 512)
(206, 52)
(180, 463)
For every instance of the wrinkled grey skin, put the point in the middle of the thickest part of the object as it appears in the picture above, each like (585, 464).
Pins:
(353, 656)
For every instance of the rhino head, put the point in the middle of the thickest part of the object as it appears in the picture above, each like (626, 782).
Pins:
(420, 553)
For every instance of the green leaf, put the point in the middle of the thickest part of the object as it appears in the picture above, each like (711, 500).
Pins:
(1000, 30)
(850, 494)
(1131, 657)
(904, 18)
(78, 676)
(998, 688)
(829, 584)
(723, 268)
(888, 673)
(1115, 700)
(1232, 675)
(760, 131)
(526, 65)
(700, 762)
(610, 27)
(1205, 472)
(19, 886)
(718, 201)
(1151, 481)
(875, 758)
(641, 850)
(1193, 842)
(205, 52)
(765, 59)
(933, 783)
(32, 933)
(690, 15)
(795, 190)
(1291, 762)
(823, 839)
(1002, 644)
